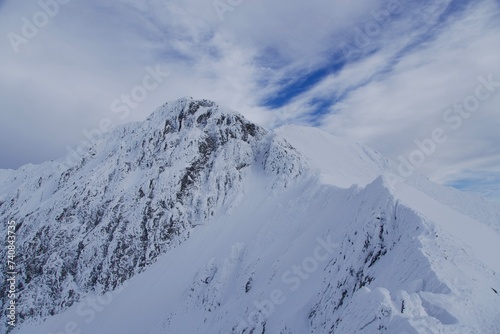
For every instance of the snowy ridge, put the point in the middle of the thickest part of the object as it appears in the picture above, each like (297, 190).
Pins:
(202, 222)
(344, 164)
(135, 194)
(475, 207)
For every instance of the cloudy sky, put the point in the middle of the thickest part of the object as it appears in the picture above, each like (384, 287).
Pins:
(387, 74)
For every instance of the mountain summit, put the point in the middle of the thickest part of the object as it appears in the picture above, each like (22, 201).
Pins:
(199, 221)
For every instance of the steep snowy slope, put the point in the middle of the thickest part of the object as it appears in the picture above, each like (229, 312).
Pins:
(91, 224)
(339, 162)
(198, 221)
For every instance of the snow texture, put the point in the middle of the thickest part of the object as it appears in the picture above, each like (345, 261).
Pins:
(198, 221)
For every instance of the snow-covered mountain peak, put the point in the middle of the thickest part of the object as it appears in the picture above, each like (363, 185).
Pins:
(199, 221)
(189, 113)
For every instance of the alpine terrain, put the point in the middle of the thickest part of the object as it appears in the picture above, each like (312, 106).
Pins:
(199, 221)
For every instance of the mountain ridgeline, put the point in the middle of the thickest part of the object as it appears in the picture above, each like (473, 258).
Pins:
(200, 216)
(137, 193)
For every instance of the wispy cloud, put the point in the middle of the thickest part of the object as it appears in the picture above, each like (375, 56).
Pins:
(276, 62)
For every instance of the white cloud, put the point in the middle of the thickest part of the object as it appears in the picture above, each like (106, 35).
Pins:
(64, 79)
(408, 102)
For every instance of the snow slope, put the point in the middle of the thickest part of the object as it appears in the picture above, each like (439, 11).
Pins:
(339, 162)
(307, 236)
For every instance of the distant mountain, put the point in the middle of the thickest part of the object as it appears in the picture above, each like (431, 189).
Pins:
(199, 221)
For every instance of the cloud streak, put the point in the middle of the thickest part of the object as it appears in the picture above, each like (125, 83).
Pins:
(276, 62)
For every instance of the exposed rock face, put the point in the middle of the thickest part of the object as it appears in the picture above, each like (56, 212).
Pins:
(228, 228)
(134, 195)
